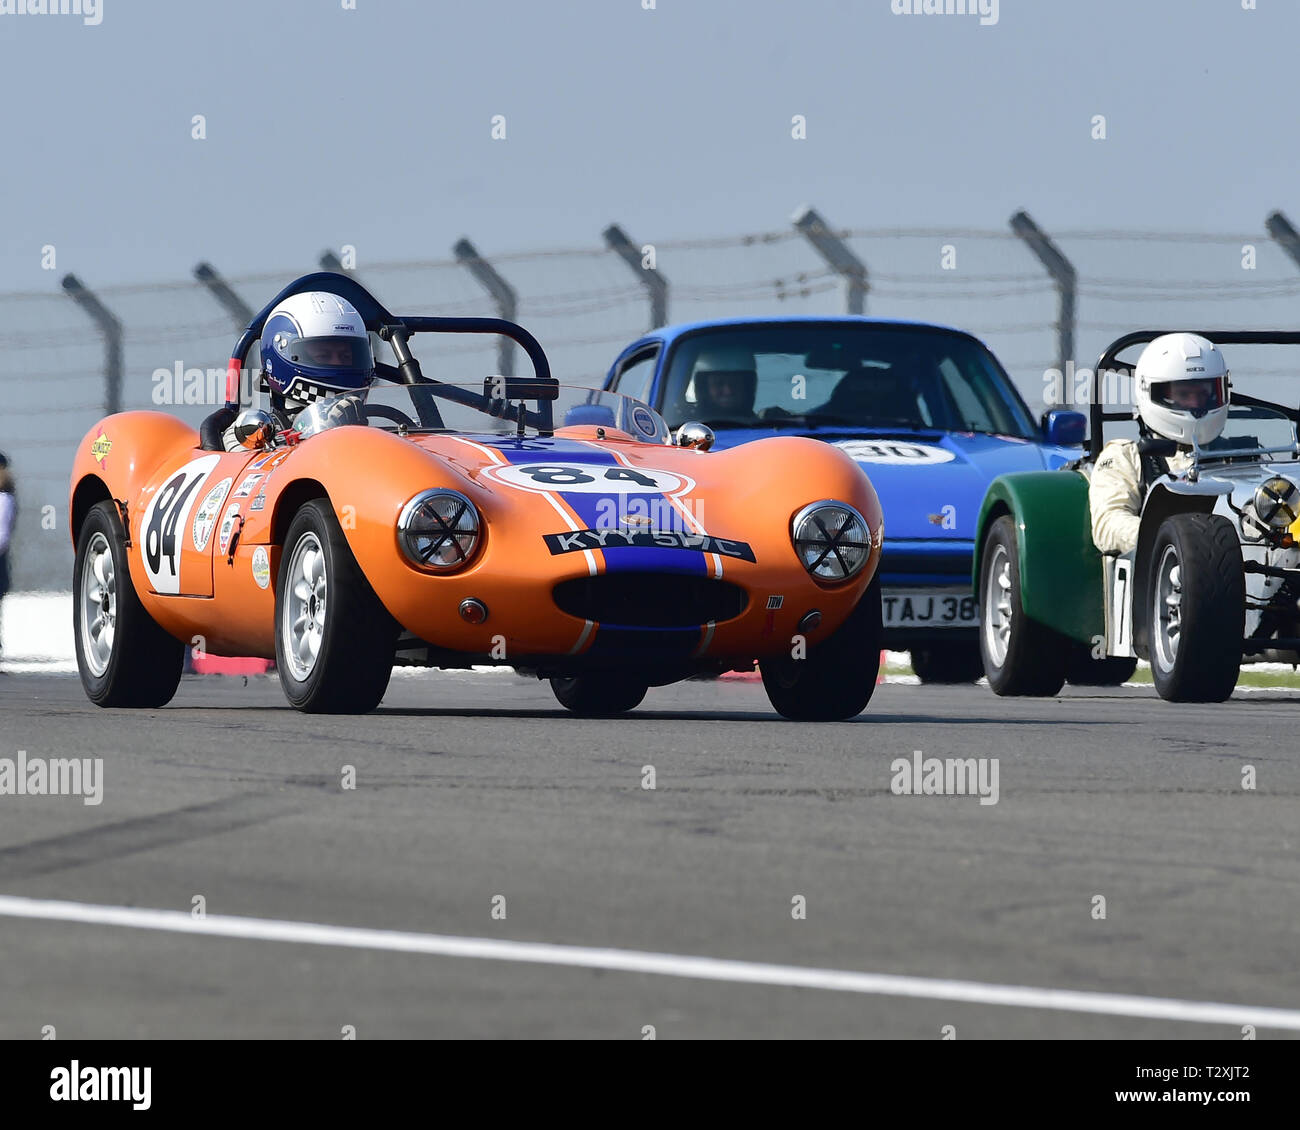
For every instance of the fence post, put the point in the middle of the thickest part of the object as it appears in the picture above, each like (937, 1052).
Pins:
(330, 262)
(650, 277)
(1280, 228)
(1063, 274)
(239, 310)
(838, 255)
(502, 293)
(111, 328)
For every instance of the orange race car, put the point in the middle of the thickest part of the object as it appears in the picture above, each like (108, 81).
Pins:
(514, 521)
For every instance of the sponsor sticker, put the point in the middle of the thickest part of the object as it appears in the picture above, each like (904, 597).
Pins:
(100, 446)
(261, 567)
(579, 540)
(899, 452)
(246, 487)
(259, 502)
(205, 518)
(642, 418)
(227, 527)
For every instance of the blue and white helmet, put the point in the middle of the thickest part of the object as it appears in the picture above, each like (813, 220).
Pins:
(314, 346)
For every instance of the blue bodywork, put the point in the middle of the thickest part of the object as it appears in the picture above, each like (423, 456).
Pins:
(930, 507)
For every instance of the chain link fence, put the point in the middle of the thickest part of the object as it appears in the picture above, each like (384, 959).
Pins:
(584, 304)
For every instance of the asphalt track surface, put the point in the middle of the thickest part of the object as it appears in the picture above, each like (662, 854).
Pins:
(475, 786)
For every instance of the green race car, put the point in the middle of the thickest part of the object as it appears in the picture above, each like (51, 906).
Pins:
(1213, 582)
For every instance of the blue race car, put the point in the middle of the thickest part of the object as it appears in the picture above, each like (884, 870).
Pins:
(927, 411)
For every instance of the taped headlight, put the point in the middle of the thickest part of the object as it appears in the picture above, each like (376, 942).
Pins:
(832, 540)
(1277, 502)
(439, 530)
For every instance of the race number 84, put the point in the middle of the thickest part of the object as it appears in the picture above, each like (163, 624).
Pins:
(160, 535)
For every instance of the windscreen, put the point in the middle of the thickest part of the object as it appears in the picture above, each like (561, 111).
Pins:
(841, 375)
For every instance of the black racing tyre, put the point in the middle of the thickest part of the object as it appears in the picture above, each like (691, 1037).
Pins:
(1020, 655)
(334, 639)
(1196, 600)
(834, 681)
(956, 662)
(600, 695)
(1082, 670)
(123, 656)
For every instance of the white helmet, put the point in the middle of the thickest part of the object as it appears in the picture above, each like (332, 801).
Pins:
(314, 345)
(1181, 388)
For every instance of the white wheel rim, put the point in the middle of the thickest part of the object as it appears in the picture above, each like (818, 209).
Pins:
(997, 613)
(1168, 611)
(98, 605)
(302, 626)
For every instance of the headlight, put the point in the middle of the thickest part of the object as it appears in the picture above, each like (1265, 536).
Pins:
(832, 540)
(438, 529)
(1277, 502)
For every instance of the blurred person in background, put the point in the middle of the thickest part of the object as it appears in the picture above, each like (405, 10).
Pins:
(8, 511)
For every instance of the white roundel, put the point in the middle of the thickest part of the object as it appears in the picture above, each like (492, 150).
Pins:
(586, 478)
(897, 451)
(205, 518)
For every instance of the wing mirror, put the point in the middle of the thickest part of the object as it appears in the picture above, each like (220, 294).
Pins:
(1064, 427)
(254, 430)
(696, 435)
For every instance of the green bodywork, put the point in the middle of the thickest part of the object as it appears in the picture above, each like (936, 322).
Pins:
(1060, 568)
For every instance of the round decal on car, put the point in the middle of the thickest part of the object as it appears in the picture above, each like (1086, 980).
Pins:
(644, 420)
(206, 517)
(897, 451)
(261, 567)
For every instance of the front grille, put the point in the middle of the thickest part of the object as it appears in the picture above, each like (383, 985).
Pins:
(651, 600)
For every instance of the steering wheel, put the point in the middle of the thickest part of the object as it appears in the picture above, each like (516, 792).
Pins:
(388, 412)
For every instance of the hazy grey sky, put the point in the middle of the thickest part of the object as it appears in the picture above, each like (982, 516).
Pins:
(373, 126)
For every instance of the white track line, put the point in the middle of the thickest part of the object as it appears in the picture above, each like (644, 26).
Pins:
(661, 964)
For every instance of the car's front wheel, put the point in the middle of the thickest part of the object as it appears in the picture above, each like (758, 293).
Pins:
(1021, 656)
(836, 678)
(1197, 602)
(123, 656)
(599, 695)
(334, 639)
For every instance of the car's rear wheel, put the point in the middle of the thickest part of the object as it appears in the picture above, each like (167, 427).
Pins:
(1021, 656)
(599, 695)
(836, 678)
(334, 639)
(123, 656)
(1197, 602)
(956, 662)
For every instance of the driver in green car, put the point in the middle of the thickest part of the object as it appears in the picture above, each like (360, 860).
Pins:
(1181, 393)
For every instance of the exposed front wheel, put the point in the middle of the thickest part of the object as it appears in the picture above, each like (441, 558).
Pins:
(1021, 656)
(123, 656)
(1197, 602)
(836, 678)
(599, 695)
(334, 639)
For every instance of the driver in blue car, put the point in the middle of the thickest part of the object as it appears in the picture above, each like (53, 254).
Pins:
(726, 384)
(1181, 393)
(314, 347)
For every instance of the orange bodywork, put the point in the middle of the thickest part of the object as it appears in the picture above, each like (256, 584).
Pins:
(205, 529)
